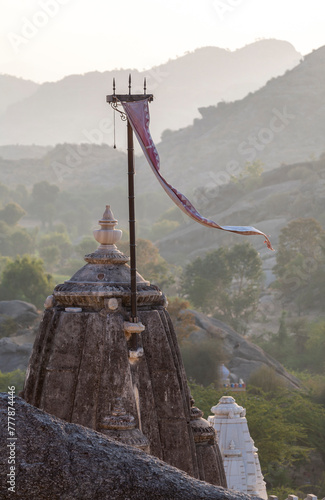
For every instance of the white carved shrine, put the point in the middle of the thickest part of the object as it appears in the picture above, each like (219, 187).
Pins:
(240, 458)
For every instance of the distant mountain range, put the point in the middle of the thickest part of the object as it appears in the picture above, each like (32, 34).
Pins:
(74, 110)
(14, 90)
(283, 122)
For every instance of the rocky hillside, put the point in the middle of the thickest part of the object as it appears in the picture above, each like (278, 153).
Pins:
(19, 323)
(242, 357)
(283, 122)
(280, 195)
(14, 90)
(71, 109)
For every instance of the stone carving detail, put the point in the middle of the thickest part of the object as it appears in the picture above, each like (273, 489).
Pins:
(119, 419)
(122, 427)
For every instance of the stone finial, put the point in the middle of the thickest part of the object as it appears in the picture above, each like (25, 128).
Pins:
(107, 234)
(107, 237)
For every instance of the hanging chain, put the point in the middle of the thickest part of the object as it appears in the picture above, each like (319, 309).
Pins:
(122, 116)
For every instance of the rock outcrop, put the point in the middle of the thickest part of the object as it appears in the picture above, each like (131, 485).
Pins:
(22, 312)
(243, 357)
(14, 356)
(55, 460)
(18, 324)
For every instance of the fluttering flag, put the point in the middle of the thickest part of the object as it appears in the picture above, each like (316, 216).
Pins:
(138, 116)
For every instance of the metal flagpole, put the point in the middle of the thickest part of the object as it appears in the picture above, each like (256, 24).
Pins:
(133, 264)
(114, 100)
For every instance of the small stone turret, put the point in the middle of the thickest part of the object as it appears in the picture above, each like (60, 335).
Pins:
(207, 449)
(86, 368)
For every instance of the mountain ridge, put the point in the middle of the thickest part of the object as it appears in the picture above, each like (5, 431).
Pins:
(70, 109)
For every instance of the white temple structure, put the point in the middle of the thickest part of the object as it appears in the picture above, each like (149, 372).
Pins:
(240, 458)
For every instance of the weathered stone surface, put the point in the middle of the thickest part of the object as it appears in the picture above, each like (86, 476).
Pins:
(56, 460)
(80, 365)
(207, 450)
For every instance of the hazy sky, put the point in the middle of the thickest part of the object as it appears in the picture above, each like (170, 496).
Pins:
(44, 40)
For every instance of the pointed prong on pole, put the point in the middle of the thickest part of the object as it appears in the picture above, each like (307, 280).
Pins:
(113, 86)
(145, 86)
(130, 84)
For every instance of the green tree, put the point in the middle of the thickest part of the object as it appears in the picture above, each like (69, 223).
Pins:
(202, 360)
(51, 255)
(163, 227)
(315, 347)
(5, 243)
(266, 379)
(43, 193)
(15, 240)
(4, 193)
(21, 242)
(300, 262)
(242, 297)
(182, 319)
(250, 177)
(12, 213)
(284, 424)
(150, 264)
(282, 332)
(25, 279)
(43, 198)
(15, 378)
(204, 280)
(87, 245)
(21, 195)
(60, 240)
(225, 283)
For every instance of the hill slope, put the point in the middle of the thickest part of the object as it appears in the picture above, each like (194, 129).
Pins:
(71, 109)
(283, 194)
(14, 90)
(283, 122)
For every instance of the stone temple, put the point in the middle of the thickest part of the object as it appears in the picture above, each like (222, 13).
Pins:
(91, 365)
